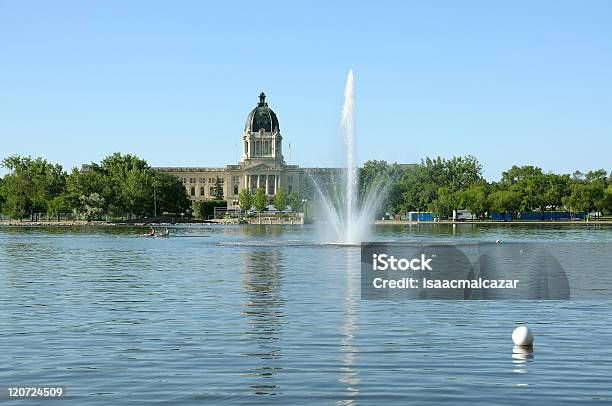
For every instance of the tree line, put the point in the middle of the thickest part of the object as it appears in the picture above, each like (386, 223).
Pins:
(443, 185)
(119, 186)
(125, 186)
(259, 201)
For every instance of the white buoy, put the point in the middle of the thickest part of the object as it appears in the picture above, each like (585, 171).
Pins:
(523, 336)
(497, 241)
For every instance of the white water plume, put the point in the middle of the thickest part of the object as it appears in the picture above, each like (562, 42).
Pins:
(347, 217)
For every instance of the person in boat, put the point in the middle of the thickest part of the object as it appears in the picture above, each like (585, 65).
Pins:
(151, 232)
(166, 232)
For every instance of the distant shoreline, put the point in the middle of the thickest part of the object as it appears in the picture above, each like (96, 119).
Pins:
(520, 222)
(12, 223)
(147, 222)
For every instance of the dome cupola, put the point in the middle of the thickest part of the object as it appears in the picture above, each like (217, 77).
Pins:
(262, 140)
(262, 117)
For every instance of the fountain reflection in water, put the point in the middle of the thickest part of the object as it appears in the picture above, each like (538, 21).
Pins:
(346, 213)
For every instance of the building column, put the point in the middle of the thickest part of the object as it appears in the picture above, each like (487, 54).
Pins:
(267, 178)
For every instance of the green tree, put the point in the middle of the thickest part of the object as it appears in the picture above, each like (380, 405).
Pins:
(245, 199)
(475, 199)
(529, 182)
(444, 203)
(418, 189)
(280, 199)
(85, 182)
(516, 174)
(57, 206)
(170, 193)
(197, 209)
(130, 184)
(30, 185)
(126, 183)
(538, 191)
(294, 202)
(2, 199)
(597, 176)
(462, 172)
(505, 201)
(94, 206)
(15, 194)
(557, 186)
(205, 209)
(421, 184)
(137, 192)
(607, 199)
(587, 192)
(260, 201)
(380, 178)
(598, 182)
(217, 191)
(584, 197)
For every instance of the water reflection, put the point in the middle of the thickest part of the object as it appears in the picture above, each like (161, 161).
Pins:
(521, 356)
(263, 230)
(263, 309)
(540, 274)
(215, 321)
(350, 376)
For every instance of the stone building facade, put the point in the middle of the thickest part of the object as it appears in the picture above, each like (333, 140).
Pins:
(261, 164)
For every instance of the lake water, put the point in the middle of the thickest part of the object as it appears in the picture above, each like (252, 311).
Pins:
(266, 314)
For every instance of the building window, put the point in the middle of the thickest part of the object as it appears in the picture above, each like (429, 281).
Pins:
(202, 180)
(202, 191)
(234, 178)
(210, 191)
(271, 184)
(192, 180)
(192, 191)
(235, 190)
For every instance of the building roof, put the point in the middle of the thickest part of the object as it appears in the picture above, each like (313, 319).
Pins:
(262, 116)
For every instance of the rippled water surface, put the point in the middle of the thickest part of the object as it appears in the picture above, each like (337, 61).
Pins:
(260, 314)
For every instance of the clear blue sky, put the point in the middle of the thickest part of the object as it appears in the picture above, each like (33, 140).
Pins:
(519, 82)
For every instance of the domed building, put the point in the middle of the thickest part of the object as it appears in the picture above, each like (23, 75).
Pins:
(261, 137)
(261, 164)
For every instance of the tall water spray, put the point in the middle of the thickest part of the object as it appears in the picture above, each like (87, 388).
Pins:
(348, 132)
(347, 216)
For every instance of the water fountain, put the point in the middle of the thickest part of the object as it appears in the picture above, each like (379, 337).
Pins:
(346, 214)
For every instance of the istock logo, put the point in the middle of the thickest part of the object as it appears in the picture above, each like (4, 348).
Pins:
(384, 262)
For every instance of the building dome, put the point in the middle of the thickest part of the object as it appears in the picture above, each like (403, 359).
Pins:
(262, 116)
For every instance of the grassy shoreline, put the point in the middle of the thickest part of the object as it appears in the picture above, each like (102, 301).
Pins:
(12, 223)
